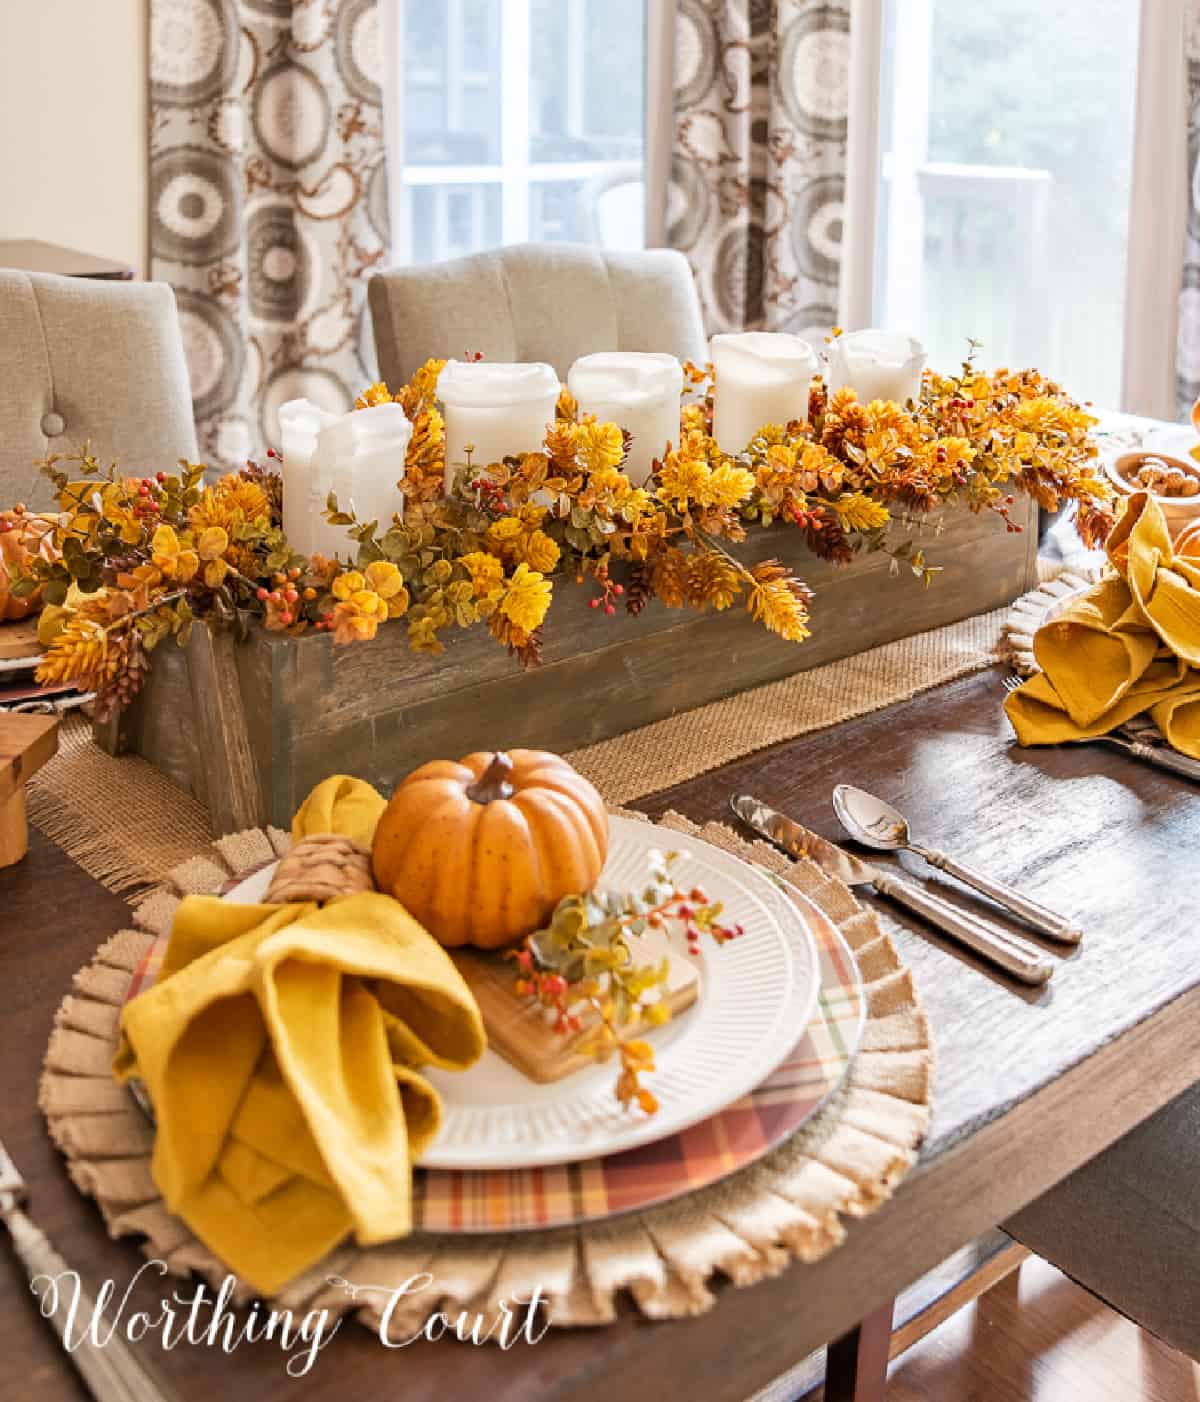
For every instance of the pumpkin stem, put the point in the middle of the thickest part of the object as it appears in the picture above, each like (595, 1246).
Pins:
(493, 783)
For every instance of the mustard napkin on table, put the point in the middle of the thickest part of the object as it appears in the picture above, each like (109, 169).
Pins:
(1130, 644)
(279, 1047)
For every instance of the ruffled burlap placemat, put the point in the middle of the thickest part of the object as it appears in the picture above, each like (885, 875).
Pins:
(845, 1162)
(125, 823)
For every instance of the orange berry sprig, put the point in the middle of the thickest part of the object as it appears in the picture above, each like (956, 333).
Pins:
(581, 962)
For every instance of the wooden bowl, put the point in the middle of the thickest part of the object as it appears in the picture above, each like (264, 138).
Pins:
(1178, 511)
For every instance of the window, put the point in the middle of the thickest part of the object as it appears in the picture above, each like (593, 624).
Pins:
(518, 120)
(1006, 139)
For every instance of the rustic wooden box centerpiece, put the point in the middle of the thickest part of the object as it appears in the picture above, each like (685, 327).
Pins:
(250, 727)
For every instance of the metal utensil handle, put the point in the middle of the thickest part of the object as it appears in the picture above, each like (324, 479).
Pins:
(1163, 757)
(1033, 913)
(113, 1373)
(1012, 955)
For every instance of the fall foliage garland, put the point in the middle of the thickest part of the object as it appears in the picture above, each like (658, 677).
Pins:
(133, 560)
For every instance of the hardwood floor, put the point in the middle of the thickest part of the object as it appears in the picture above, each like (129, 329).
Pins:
(1039, 1337)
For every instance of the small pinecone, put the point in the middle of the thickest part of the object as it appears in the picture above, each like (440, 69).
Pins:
(320, 867)
(131, 667)
(529, 653)
(639, 590)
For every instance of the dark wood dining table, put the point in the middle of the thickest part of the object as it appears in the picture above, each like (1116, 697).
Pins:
(1030, 1083)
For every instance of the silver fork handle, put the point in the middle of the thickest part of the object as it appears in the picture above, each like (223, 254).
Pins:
(1012, 955)
(112, 1373)
(1032, 913)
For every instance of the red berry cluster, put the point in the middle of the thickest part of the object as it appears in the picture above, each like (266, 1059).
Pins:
(147, 504)
(489, 496)
(548, 989)
(1001, 510)
(284, 597)
(608, 591)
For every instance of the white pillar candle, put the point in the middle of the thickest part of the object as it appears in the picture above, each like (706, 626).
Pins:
(877, 365)
(361, 457)
(498, 408)
(638, 391)
(762, 377)
(300, 420)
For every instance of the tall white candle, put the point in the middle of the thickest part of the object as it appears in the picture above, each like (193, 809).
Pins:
(877, 365)
(638, 391)
(359, 456)
(498, 408)
(762, 377)
(300, 420)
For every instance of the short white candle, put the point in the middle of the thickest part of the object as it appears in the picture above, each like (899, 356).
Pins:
(300, 420)
(500, 409)
(877, 365)
(635, 390)
(762, 377)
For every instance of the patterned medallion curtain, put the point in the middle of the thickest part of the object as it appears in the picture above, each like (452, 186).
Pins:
(268, 203)
(1187, 351)
(759, 161)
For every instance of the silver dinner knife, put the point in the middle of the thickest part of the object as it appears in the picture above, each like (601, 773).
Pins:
(1023, 961)
(112, 1373)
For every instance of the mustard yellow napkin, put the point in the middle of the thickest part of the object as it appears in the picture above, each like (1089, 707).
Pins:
(279, 1048)
(1130, 644)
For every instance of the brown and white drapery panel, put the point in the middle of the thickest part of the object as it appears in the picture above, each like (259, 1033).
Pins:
(268, 202)
(758, 165)
(1187, 351)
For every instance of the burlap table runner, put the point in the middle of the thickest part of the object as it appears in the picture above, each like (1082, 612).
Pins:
(126, 824)
(845, 1162)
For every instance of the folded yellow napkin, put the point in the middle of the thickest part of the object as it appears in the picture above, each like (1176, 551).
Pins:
(1130, 644)
(279, 1047)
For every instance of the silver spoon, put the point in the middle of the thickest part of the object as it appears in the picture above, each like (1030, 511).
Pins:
(877, 824)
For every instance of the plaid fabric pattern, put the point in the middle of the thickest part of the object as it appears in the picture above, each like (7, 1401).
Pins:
(562, 1195)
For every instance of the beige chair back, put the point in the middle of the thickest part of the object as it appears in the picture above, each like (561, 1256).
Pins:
(536, 301)
(88, 360)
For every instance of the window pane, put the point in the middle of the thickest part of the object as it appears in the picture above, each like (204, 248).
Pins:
(449, 220)
(1006, 180)
(452, 82)
(506, 139)
(586, 79)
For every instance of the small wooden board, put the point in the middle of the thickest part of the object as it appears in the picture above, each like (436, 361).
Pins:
(19, 640)
(26, 743)
(520, 1031)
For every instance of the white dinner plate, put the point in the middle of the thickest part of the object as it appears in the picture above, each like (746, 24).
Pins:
(757, 994)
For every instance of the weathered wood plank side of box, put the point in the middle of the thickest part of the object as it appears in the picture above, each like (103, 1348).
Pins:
(378, 709)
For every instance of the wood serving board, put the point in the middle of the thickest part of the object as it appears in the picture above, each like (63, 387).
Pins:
(522, 1033)
(19, 640)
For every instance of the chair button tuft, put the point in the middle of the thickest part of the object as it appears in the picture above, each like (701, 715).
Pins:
(53, 424)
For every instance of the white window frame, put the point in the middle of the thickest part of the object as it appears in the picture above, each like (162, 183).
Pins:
(1158, 197)
(514, 173)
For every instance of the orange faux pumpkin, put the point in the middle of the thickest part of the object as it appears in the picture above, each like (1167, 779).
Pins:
(480, 852)
(26, 538)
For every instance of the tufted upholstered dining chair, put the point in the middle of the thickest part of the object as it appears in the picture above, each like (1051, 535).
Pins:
(1127, 1224)
(536, 301)
(88, 360)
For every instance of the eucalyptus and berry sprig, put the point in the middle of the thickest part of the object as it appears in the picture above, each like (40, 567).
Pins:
(583, 970)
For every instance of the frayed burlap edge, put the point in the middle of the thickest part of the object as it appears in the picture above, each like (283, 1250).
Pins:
(1027, 614)
(844, 1163)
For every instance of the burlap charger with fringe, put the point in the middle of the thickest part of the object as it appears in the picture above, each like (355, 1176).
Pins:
(845, 1162)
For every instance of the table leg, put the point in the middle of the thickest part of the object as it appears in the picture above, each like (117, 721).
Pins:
(856, 1364)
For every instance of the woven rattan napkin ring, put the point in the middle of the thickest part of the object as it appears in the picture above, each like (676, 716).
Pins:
(320, 867)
